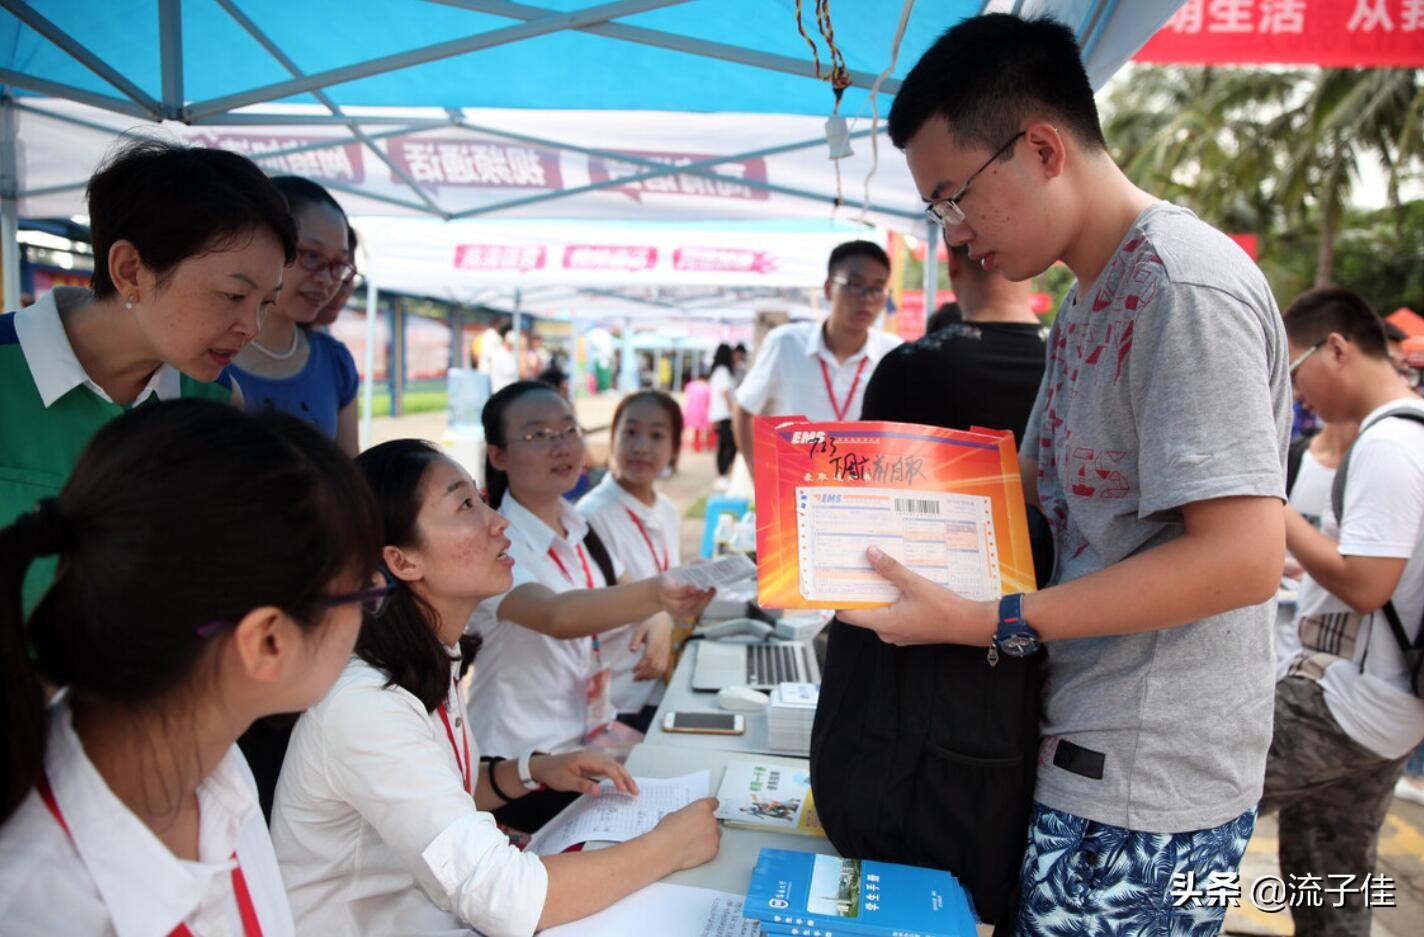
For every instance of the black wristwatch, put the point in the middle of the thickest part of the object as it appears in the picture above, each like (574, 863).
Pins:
(1014, 637)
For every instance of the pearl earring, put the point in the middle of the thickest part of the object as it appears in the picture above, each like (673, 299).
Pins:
(129, 304)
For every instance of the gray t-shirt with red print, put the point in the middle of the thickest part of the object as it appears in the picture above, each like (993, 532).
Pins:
(1167, 384)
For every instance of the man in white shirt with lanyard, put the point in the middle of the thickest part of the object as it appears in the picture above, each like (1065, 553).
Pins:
(1347, 714)
(819, 370)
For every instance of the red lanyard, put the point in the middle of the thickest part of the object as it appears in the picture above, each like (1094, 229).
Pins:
(450, 733)
(663, 565)
(587, 575)
(250, 925)
(840, 411)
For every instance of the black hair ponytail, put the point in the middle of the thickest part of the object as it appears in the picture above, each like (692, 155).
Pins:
(179, 516)
(492, 418)
(403, 643)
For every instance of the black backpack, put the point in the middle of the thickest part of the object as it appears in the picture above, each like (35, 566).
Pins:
(928, 755)
(1411, 651)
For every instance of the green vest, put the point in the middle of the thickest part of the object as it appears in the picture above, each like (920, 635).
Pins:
(39, 445)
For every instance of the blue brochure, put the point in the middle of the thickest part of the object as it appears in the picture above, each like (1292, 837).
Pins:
(796, 893)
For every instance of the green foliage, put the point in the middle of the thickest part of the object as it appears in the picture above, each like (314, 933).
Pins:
(1277, 153)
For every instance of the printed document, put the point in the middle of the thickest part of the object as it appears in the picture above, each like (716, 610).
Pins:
(616, 818)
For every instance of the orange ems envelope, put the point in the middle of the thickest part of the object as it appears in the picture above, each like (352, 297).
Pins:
(947, 504)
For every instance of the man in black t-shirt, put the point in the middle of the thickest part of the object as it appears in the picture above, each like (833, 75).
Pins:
(983, 371)
(880, 791)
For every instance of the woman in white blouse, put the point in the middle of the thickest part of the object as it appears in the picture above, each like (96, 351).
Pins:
(641, 529)
(211, 569)
(543, 679)
(382, 821)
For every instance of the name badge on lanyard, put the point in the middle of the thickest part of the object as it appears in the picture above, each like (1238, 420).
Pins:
(598, 690)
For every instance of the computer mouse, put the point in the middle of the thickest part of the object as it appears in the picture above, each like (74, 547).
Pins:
(742, 699)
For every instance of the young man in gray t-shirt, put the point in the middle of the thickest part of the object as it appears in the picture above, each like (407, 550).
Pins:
(1156, 448)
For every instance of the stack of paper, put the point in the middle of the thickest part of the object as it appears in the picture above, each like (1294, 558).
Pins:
(789, 717)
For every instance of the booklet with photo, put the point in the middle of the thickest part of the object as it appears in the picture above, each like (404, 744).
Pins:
(768, 797)
(805, 893)
(946, 503)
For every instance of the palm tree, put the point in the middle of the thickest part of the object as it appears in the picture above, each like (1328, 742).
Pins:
(1266, 150)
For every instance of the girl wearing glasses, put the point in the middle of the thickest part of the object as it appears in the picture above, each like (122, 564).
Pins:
(287, 367)
(212, 565)
(383, 818)
(641, 528)
(543, 681)
(179, 287)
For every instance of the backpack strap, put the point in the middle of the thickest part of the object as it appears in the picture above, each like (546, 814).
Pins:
(599, 552)
(1294, 456)
(1337, 488)
(1337, 503)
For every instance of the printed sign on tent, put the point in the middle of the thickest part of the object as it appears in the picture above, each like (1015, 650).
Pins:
(1331, 33)
(604, 170)
(724, 259)
(475, 163)
(610, 257)
(328, 164)
(500, 257)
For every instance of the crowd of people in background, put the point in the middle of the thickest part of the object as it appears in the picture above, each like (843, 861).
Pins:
(236, 651)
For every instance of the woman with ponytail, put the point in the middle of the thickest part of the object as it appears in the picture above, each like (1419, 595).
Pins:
(212, 570)
(543, 683)
(383, 821)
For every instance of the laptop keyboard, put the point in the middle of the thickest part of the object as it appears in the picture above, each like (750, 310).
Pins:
(770, 664)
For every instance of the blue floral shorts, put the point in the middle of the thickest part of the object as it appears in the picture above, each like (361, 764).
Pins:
(1087, 879)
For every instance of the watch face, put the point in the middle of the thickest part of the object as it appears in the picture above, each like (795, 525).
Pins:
(1019, 645)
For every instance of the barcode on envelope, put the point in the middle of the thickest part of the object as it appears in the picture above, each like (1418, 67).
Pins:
(916, 506)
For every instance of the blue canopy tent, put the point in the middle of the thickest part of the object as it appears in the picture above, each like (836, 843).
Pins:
(631, 109)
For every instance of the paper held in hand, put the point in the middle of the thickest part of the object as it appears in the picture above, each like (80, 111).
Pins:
(947, 504)
(723, 571)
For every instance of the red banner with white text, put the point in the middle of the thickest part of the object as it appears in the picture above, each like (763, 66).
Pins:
(1331, 33)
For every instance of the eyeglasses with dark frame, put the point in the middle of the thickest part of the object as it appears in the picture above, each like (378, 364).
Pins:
(373, 601)
(946, 212)
(873, 291)
(316, 261)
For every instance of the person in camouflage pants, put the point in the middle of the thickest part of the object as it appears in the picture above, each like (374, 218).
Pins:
(1333, 795)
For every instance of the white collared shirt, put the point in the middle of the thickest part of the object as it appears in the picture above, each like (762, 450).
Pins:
(606, 507)
(529, 690)
(54, 366)
(786, 379)
(110, 875)
(375, 832)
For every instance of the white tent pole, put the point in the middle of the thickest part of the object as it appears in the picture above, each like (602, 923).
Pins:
(515, 326)
(9, 205)
(368, 376)
(932, 236)
(628, 371)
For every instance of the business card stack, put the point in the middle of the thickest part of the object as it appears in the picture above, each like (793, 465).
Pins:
(789, 717)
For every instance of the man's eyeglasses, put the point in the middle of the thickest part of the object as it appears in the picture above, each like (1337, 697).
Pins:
(316, 261)
(549, 437)
(946, 212)
(1300, 360)
(373, 601)
(875, 291)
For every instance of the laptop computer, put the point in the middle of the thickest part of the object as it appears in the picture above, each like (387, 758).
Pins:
(761, 665)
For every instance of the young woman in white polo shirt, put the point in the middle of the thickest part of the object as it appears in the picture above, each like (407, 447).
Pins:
(212, 569)
(542, 682)
(382, 821)
(641, 529)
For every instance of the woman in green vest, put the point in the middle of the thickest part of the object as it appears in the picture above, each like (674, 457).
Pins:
(189, 250)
